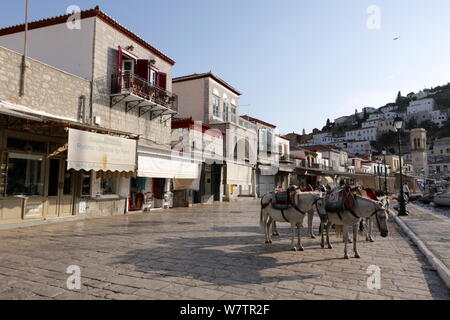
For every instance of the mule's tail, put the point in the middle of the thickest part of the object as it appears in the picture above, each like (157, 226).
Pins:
(261, 218)
(339, 231)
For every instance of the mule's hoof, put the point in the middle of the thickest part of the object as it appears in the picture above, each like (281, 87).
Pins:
(330, 247)
(371, 240)
(294, 249)
(301, 249)
(269, 241)
(357, 256)
(346, 257)
(275, 234)
(313, 236)
(322, 245)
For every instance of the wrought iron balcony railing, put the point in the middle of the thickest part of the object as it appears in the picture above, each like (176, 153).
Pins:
(129, 83)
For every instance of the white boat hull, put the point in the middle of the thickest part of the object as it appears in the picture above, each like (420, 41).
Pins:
(442, 200)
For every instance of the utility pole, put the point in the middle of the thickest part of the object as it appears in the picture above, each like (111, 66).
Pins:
(25, 52)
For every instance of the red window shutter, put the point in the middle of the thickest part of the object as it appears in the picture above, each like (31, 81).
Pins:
(162, 80)
(141, 68)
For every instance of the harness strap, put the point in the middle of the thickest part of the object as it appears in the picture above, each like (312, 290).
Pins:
(284, 217)
(339, 215)
(295, 207)
(353, 213)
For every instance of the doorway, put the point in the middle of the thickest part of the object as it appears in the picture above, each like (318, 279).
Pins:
(60, 195)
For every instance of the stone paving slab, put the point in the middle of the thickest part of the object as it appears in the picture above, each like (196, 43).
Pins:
(432, 228)
(209, 252)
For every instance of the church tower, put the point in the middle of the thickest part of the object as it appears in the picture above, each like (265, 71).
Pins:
(418, 140)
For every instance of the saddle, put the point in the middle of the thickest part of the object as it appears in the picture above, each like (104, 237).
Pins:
(283, 199)
(339, 200)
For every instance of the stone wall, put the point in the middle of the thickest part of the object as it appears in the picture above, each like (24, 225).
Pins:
(46, 88)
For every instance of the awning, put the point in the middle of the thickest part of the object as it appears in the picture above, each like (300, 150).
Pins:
(23, 112)
(267, 170)
(239, 174)
(100, 152)
(186, 184)
(326, 179)
(154, 167)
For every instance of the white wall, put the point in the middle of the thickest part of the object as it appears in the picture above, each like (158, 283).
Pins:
(421, 105)
(58, 46)
(191, 99)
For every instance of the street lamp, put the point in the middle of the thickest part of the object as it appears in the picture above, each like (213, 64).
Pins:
(384, 152)
(398, 123)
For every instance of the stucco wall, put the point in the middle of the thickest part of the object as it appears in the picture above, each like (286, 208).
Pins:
(57, 45)
(211, 86)
(191, 99)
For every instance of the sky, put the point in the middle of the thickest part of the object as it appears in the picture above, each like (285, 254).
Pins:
(297, 62)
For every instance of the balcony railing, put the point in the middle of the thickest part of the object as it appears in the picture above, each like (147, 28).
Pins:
(129, 83)
(246, 124)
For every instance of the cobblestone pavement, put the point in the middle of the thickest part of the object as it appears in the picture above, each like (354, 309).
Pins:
(212, 252)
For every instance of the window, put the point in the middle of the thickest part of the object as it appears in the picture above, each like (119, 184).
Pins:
(108, 186)
(152, 77)
(225, 111)
(25, 175)
(233, 113)
(128, 66)
(86, 184)
(216, 106)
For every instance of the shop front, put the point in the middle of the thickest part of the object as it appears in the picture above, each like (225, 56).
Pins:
(104, 166)
(50, 171)
(240, 180)
(160, 177)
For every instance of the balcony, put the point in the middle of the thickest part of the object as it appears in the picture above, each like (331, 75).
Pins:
(139, 93)
(233, 118)
(246, 124)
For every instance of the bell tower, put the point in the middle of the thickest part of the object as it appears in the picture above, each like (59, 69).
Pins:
(418, 140)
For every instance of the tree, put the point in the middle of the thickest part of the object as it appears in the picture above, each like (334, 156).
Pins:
(304, 132)
(399, 97)
(411, 124)
(328, 123)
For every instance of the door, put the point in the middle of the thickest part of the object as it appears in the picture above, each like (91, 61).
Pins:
(60, 193)
(266, 184)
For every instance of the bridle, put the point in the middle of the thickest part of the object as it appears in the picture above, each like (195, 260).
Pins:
(377, 218)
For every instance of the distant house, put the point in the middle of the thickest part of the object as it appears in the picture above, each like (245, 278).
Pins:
(421, 105)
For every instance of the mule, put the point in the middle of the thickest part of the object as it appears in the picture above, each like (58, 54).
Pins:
(363, 208)
(303, 203)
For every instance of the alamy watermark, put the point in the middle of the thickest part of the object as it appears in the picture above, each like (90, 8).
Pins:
(74, 280)
(74, 20)
(374, 19)
(374, 280)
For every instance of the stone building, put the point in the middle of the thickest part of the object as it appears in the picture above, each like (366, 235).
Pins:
(418, 140)
(273, 158)
(88, 122)
(206, 97)
(197, 142)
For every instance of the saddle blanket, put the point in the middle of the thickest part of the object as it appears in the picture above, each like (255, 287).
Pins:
(280, 200)
(334, 201)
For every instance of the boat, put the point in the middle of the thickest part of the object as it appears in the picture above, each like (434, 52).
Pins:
(442, 199)
(432, 188)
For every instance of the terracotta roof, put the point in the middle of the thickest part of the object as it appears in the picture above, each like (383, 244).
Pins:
(251, 119)
(86, 14)
(206, 75)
